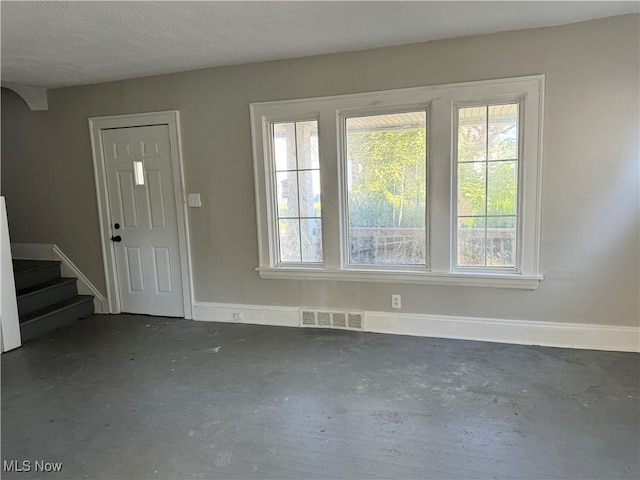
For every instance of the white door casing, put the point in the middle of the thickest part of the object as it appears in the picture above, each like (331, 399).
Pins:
(149, 271)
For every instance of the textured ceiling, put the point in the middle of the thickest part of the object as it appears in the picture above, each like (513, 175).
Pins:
(52, 44)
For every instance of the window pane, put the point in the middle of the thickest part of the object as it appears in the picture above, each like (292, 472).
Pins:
(284, 146)
(386, 168)
(309, 193)
(311, 234)
(387, 246)
(289, 234)
(471, 188)
(471, 241)
(307, 137)
(138, 173)
(287, 186)
(472, 134)
(487, 185)
(298, 191)
(502, 181)
(501, 240)
(503, 132)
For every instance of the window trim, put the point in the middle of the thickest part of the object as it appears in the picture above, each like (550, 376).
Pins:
(439, 102)
(470, 279)
(271, 188)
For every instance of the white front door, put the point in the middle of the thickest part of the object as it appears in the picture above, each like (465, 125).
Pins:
(144, 224)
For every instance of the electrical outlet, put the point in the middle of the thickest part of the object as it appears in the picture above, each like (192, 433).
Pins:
(396, 301)
(237, 316)
(193, 200)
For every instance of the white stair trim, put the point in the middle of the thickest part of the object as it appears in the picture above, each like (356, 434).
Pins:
(524, 332)
(45, 251)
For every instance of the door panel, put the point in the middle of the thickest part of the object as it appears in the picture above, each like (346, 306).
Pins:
(134, 270)
(127, 204)
(157, 213)
(148, 256)
(162, 263)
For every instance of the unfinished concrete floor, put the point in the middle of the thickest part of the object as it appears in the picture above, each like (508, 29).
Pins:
(125, 397)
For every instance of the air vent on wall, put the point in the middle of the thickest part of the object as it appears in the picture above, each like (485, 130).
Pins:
(309, 318)
(355, 321)
(327, 319)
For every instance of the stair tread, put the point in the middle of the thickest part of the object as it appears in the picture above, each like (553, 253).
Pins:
(24, 292)
(21, 266)
(56, 307)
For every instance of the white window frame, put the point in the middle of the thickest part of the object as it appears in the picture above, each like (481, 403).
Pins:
(440, 103)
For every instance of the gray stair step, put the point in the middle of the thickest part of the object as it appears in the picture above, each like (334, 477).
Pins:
(29, 273)
(59, 315)
(40, 296)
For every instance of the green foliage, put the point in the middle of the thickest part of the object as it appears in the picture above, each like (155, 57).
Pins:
(388, 177)
(388, 186)
(486, 188)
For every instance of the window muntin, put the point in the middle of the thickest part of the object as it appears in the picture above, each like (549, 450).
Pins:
(442, 103)
(487, 156)
(386, 171)
(298, 216)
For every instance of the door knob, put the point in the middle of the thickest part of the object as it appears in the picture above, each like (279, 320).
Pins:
(117, 238)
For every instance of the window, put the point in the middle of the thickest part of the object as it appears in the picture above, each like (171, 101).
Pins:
(297, 170)
(487, 180)
(386, 188)
(422, 185)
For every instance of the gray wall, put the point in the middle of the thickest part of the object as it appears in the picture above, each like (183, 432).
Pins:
(590, 224)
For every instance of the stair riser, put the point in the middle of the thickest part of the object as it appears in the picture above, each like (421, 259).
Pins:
(32, 278)
(44, 298)
(58, 319)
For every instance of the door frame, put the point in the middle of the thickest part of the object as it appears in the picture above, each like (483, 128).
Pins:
(171, 119)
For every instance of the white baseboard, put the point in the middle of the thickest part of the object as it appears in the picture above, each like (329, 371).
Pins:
(524, 332)
(42, 251)
(254, 314)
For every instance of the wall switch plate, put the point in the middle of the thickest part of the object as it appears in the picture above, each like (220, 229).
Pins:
(396, 301)
(193, 200)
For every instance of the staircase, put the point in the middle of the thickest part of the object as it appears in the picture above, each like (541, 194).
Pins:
(46, 301)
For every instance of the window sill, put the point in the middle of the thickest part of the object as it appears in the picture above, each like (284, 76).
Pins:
(517, 281)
